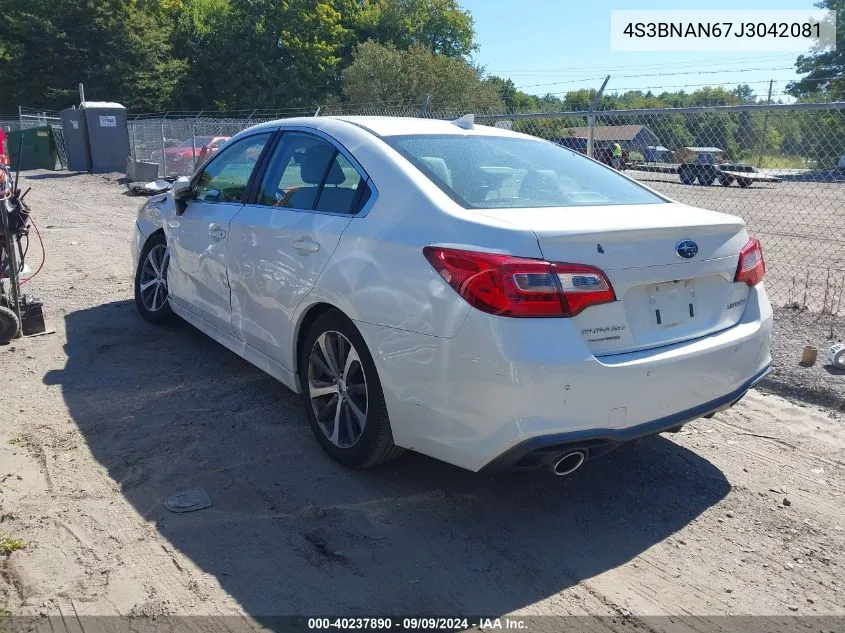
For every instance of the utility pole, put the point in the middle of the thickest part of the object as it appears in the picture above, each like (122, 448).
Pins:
(765, 125)
(591, 117)
(424, 106)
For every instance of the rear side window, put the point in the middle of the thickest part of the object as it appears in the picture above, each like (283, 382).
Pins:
(486, 172)
(308, 173)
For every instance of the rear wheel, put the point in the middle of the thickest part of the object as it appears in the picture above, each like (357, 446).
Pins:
(151, 281)
(743, 182)
(687, 175)
(725, 181)
(9, 325)
(343, 395)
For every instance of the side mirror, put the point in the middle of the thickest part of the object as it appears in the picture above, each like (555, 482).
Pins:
(181, 189)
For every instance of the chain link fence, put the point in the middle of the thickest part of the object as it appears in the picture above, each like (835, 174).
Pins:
(780, 167)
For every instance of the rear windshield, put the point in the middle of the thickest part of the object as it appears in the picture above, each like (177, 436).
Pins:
(494, 172)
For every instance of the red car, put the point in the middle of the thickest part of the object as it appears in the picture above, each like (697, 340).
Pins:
(4, 149)
(180, 159)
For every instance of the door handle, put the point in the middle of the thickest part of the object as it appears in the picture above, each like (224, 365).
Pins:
(306, 246)
(216, 232)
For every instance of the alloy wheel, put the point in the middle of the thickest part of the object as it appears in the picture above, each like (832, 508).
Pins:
(337, 388)
(153, 279)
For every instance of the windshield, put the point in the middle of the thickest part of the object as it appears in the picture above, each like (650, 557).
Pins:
(486, 172)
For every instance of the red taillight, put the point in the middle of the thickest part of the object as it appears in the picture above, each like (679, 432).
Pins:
(752, 266)
(518, 287)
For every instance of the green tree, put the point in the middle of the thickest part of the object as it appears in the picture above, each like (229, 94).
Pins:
(440, 26)
(514, 99)
(120, 50)
(824, 70)
(248, 54)
(387, 74)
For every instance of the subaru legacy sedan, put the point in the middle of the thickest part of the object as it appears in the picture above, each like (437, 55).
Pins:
(484, 297)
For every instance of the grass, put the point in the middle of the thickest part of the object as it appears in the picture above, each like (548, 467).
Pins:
(14, 440)
(9, 544)
(775, 161)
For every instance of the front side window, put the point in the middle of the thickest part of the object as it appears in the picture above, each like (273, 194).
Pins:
(500, 172)
(309, 173)
(225, 179)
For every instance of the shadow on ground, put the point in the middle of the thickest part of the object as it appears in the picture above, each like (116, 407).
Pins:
(53, 175)
(291, 532)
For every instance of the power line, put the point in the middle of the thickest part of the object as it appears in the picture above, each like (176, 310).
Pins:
(703, 72)
(591, 69)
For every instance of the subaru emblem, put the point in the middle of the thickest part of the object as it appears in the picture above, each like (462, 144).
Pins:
(686, 249)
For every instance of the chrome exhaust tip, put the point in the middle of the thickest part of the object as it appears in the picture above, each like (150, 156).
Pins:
(568, 463)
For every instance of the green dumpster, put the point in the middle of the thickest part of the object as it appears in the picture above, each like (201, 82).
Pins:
(36, 148)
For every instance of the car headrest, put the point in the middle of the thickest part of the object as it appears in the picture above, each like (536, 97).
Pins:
(439, 167)
(313, 166)
(538, 182)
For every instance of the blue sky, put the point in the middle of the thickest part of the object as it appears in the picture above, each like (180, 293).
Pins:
(560, 45)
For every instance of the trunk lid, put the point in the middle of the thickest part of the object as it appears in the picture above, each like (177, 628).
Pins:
(662, 296)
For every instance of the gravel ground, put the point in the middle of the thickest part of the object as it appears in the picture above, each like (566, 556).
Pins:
(822, 383)
(741, 514)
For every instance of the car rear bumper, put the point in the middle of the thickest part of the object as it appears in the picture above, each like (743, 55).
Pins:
(502, 383)
(541, 452)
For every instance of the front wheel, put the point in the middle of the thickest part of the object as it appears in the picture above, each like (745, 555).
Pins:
(151, 281)
(706, 178)
(342, 394)
(744, 182)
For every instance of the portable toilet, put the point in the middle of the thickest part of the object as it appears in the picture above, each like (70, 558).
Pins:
(76, 140)
(108, 135)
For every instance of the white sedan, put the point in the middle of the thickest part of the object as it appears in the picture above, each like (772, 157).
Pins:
(481, 296)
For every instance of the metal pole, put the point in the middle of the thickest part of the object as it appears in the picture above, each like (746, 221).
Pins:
(81, 94)
(20, 118)
(765, 125)
(424, 106)
(163, 161)
(591, 117)
(134, 144)
(194, 143)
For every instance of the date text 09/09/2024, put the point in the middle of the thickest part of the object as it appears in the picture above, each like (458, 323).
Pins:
(418, 624)
(722, 29)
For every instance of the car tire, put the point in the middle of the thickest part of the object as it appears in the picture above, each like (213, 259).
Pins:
(725, 181)
(706, 178)
(9, 325)
(687, 176)
(349, 418)
(151, 295)
(744, 182)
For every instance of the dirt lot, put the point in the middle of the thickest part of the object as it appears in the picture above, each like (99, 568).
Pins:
(101, 421)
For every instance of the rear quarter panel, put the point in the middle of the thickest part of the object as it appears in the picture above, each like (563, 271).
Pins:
(378, 273)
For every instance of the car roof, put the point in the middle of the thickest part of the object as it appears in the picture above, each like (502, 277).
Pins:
(395, 126)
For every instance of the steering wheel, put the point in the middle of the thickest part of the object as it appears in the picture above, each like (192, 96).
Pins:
(283, 196)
